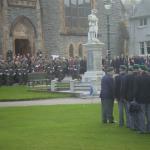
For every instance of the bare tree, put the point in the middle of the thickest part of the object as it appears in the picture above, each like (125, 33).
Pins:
(123, 38)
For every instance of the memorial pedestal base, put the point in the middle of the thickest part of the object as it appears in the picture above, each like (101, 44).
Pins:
(94, 78)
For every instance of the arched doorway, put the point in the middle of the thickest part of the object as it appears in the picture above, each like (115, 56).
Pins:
(22, 46)
(23, 36)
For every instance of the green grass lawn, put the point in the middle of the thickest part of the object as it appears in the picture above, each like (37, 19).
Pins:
(23, 93)
(64, 127)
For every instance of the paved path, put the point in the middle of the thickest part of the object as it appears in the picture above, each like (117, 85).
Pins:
(88, 100)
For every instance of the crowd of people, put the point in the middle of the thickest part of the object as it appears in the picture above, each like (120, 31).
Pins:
(127, 61)
(20, 65)
(130, 88)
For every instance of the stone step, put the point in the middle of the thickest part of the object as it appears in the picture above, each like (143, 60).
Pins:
(82, 87)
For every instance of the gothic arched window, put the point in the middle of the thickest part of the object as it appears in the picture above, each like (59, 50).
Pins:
(76, 13)
(71, 51)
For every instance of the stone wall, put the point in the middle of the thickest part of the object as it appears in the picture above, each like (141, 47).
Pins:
(50, 24)
(56, 42)
(14, 12)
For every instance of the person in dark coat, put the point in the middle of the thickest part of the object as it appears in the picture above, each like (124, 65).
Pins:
(147, 110)
(117, 64)
(129, 94)
(107, 96)
(120, 94)
(142, 96)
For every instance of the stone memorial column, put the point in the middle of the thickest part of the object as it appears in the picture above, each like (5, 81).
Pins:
(94, 54)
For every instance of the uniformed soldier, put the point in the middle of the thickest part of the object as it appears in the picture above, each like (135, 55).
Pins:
(107, 96)
(148, 110)
(129, 90)
(120, 94)
(131, 83)
(142, 97)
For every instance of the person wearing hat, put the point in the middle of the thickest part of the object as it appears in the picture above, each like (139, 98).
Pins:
(129, 90)
(148, 70)
(120, 93)
(107, 96)
(148, 108)
(136, 68)
(142, 97)
(130, 94)
(143, 69)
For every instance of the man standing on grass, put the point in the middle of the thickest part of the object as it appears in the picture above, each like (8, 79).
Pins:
(120, 95)
(129, 94)
(142, 96)
(107, 96)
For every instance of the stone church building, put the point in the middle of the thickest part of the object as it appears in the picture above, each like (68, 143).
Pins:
(55, 27)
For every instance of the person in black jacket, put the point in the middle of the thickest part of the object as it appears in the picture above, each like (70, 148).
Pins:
(129, 95)
(120, 94)
(142, 96)
(147, 111)
(107, 96)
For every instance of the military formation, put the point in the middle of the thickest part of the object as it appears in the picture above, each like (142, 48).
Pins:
(130, 88)
(15, 70)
